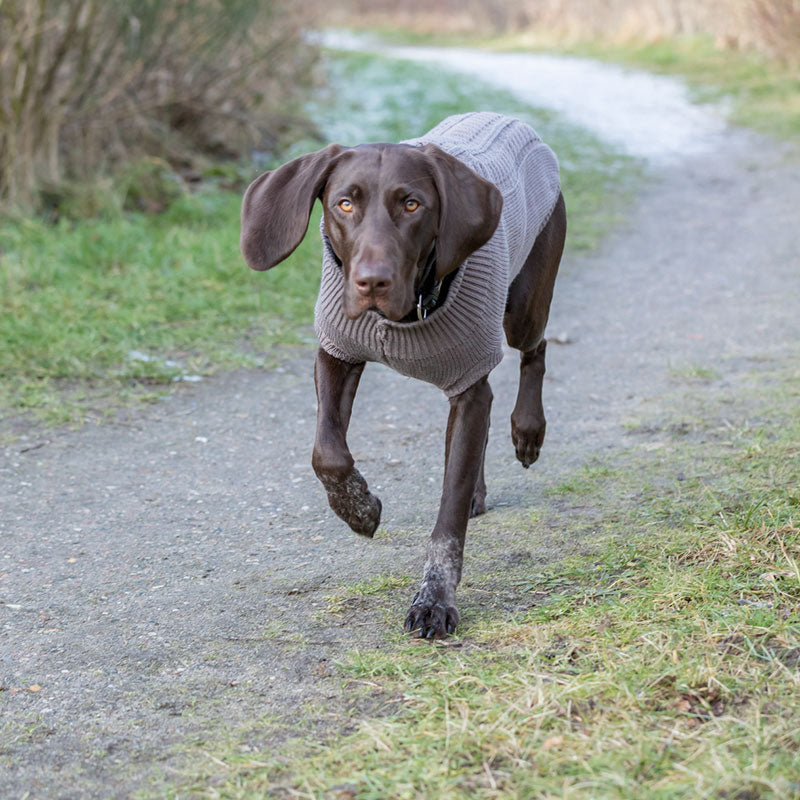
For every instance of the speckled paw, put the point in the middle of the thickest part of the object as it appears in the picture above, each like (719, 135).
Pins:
(352, 501)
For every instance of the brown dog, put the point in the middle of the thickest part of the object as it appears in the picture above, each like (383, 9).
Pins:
(432, 248)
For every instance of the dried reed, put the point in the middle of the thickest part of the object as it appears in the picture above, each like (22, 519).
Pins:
(770, 26)
(87, 83)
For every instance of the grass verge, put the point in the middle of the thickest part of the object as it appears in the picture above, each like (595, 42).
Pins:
(661, 661)
(759, 93)
(93, 310)
(97, 312)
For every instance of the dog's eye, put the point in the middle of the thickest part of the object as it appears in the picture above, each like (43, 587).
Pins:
(346, 205)
(412, 205)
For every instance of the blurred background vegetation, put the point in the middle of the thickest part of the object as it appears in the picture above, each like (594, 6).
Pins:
(90, 85)
(771, 27)
(157, 93)
(129, 128)
(745, 51)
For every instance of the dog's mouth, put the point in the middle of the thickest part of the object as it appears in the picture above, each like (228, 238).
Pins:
(391, 305)
(384, 308)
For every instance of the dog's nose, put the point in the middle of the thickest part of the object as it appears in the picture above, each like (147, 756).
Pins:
(372, 279)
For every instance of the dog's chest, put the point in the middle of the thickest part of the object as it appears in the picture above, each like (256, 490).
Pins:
(462, 340)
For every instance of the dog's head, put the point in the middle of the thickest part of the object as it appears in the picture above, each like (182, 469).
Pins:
(387, 209)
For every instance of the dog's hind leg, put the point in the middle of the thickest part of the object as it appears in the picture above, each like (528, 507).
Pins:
(348, 495)
(527, 310)
(479, 496)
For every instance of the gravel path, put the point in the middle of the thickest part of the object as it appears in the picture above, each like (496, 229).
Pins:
(161, 577)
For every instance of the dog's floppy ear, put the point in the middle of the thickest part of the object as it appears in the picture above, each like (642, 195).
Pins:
(277, 205)
(469, 212)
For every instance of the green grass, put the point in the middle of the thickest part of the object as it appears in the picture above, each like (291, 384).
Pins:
(95, 313)
(693, 372)
(88, 309)
(660, 661)
(587, 481)
(379, 585)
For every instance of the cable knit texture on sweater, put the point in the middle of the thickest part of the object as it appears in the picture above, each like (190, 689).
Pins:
(461, 341)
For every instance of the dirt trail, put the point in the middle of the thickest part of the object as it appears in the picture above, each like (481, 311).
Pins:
(162, 578)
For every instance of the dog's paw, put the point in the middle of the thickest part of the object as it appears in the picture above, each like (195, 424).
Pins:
(431, 620)
(364, 519)
(528, 438)
(352, 501)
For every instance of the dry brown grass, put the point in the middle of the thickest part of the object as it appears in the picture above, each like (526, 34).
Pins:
(770, 26)
(85, 83)
(776, 28)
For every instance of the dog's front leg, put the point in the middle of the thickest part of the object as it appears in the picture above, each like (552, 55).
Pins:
(348, 496)
(433, 611)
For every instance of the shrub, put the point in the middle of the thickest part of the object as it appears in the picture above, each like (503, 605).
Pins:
(87, 84)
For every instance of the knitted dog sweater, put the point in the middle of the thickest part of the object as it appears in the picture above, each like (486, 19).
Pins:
(460, 341)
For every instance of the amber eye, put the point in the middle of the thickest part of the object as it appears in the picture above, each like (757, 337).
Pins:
(346, 205)
(412, 205)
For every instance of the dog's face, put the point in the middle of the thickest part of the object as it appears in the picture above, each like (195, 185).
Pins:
(381, 216)
(387, 207)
